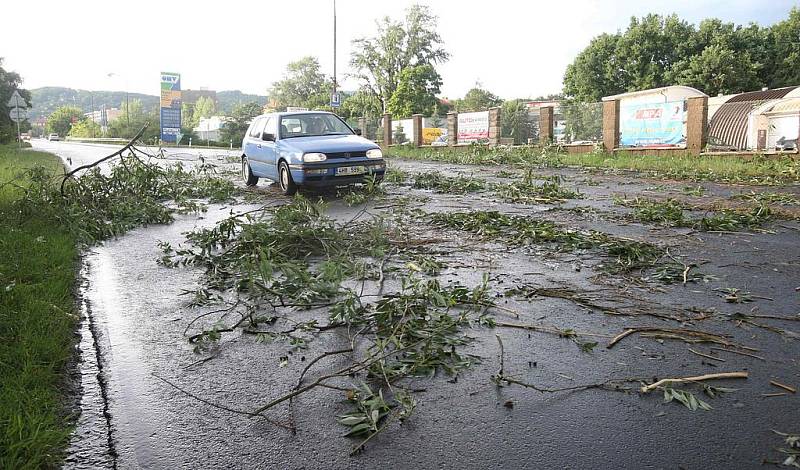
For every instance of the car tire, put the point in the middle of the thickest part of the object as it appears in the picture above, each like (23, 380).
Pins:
(285, 180)
(247, 174)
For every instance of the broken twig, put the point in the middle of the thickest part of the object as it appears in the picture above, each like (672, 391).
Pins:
(698, 378)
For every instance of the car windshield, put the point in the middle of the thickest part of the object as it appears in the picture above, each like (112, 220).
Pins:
(304, 125)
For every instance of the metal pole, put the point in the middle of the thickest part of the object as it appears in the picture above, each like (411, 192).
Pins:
(19, 135)
(93, 123)
(334, 46)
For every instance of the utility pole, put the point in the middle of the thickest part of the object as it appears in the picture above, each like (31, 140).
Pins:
(91, 94)
(334, 46)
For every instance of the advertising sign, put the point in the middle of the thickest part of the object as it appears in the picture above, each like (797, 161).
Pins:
(170, 106)
(433, 134)
(434, 130)
(402, 131)
(473, 127)
(653, 125)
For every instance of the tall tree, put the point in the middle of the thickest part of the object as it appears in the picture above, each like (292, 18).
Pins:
(649, 49)
(204, 108)
(62, 120)
(361, 104)
(9, 81)
(379, 61)
(85, 128)
(786, 51)
(238, 122)
(716, 57)
(132, 118)
(477, 99)
(416, 91)
(595, 72)
(303, 85)
(719, 69)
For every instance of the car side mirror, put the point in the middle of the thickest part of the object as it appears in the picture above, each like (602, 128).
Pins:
(267, 137)
(357, 131)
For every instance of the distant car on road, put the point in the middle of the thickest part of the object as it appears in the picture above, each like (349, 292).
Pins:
(784, 144)
(714, 144)
(52, 137)
(308, 149)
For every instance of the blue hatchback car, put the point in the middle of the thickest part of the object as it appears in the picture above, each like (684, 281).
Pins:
(308, 149)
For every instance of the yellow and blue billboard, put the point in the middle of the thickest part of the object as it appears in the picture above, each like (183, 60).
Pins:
(170, 106)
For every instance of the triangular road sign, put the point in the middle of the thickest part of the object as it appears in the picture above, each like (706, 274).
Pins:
(17, 100)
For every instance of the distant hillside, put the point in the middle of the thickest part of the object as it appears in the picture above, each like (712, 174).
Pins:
(230, 98)
(45, 100)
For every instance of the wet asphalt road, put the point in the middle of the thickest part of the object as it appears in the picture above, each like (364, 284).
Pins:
(139, 319)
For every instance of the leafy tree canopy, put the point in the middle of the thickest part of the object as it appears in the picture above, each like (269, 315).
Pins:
(303, 85)
(9, 81)
(62, 120)
(477, 99)
(204, 108)
(379, 61)
(239, 120)
(416, 92)
(361, 104)
(86, 128)
(715, 57)
(132, 118)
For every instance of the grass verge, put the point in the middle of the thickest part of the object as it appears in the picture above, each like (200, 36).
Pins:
(721, 168)
(37, 321)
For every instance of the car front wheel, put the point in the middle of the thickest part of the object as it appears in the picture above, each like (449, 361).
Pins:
(247, 175)
(285, 180)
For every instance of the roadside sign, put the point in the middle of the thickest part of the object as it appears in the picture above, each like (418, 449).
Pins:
(18, 114)
(170, 106)
(17, 100)
(335, 100)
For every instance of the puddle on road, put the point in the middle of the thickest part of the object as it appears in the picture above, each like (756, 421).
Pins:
(111, 395)
(89, 445)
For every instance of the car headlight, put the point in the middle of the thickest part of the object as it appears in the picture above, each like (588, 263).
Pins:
(314, 157)
(374, 153)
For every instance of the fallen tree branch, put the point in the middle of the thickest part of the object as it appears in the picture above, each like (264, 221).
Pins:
(721, 375)
(547, 329)
(707, 356)
(739, 352)
(115, 154)
(223, 407)
(689, 336)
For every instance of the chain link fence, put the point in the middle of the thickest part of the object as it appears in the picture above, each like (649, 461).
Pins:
(519, 124)
(578, 122)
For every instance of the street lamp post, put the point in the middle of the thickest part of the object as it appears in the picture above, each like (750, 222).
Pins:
(91, 96)
(334, 47)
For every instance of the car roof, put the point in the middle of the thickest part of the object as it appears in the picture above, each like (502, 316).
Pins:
(292, 113)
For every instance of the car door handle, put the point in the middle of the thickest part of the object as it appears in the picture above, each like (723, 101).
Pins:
(259, 146)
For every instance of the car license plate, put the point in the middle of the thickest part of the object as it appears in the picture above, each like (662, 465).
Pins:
(351, 170)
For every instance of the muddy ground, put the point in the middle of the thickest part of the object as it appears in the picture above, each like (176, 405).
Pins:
(139, 318)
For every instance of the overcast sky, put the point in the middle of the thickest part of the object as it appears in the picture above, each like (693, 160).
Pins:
(513, 48)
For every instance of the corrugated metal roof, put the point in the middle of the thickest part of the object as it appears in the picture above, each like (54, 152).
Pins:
(762, 95)
(729, 123)
(786, 106)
